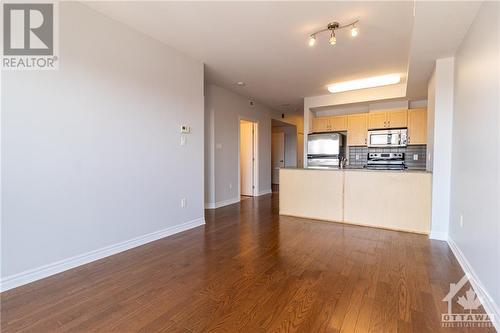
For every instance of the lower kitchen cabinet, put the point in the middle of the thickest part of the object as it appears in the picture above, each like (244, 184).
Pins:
(385, 199)
(392, 200)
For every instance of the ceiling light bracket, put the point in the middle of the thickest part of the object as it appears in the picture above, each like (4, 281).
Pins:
(332, 26)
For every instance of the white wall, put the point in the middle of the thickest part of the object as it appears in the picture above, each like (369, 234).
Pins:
(431, 103)
(227, 108)
(441, 160)
(475, 176)
(90, 153)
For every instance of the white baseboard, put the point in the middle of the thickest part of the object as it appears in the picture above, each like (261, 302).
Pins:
(35, 274)
(438, 235)
(269, 191)
(214, 205)
(488, 303)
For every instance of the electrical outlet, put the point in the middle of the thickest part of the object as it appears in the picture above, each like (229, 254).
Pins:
(183, 203)
(415, 157)
(461, 220)
(230, 186)
(357, 156)
(183, 140)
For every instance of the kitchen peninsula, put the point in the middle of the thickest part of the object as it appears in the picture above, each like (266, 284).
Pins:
(397, 200)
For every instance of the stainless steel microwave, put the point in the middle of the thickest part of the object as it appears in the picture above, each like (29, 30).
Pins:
(388, 138)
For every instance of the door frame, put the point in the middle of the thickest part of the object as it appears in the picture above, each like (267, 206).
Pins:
(283, 135)
(255, 122)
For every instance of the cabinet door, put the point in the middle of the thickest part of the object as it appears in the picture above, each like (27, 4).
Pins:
(356, 129)
(377, 120)
(320, 124)
(397, 119)
(417, 126)
(338, 123)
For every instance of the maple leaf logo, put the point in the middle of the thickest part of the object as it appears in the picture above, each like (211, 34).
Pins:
(469, 301)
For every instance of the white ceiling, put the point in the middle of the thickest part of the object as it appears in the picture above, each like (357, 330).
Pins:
(264, 44)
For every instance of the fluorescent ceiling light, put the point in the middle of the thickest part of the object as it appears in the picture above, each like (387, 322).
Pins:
(369, 82)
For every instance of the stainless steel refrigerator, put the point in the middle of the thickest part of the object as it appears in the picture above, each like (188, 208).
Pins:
(324, 150)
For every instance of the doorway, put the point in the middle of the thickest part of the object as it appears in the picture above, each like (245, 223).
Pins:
(248, 168)
(278, 155)
(283, 149)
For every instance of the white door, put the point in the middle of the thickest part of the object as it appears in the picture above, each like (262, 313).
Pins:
(247, 159)
(278, 155)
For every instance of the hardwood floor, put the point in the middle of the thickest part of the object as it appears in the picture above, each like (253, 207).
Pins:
(250, 270)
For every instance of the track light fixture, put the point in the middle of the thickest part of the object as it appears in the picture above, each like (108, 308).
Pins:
(332, 27)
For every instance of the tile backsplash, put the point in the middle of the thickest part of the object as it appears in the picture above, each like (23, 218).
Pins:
(358, 155)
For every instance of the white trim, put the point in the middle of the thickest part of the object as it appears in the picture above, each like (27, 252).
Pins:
(255, 152)
(219, 204)
(481, 292)
(438, 235)
(35, 274)
(269, 191)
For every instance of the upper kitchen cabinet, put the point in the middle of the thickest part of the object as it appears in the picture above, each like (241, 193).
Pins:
(417, 126)
(338, 123)
(377, 120)
(329, 124)
(319, 124)
(387, 119)
(357, 127)
(396, 119)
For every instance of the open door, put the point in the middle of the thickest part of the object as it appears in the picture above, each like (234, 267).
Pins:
(248, 158)
(278, 155)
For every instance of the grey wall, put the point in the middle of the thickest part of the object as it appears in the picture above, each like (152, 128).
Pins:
(226, 108)
(90, 153)
(475, 180)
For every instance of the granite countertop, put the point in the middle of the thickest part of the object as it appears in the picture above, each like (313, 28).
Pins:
(360, 169)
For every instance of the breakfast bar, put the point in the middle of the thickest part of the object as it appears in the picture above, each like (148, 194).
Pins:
(396, 200)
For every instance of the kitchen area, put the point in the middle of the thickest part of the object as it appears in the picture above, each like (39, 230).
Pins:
(365, 168)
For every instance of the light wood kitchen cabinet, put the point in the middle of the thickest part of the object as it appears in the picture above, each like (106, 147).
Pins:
(417, 126)
(329, 124)
(397, 119)
(387, 119)
(377, 120)
(338, 123)
(319, 124)
(357, 127)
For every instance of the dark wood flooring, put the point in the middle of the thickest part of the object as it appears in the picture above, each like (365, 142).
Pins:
(249, 270)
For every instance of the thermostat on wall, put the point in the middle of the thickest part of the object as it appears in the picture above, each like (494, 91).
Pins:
(185, 129)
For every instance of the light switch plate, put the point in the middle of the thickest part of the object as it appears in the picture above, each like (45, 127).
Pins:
(185, 129)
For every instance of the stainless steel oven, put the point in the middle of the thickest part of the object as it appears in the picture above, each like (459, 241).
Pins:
(388, 138)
